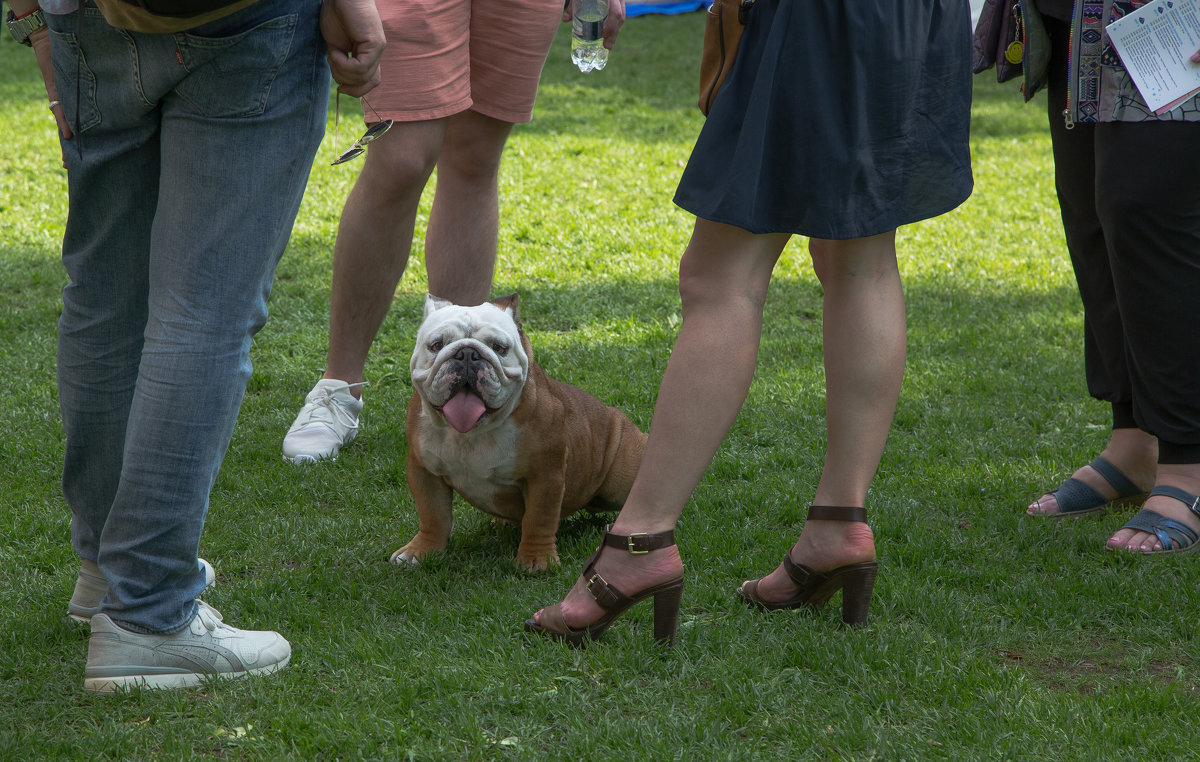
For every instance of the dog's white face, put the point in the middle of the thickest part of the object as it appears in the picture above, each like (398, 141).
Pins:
(469, 364)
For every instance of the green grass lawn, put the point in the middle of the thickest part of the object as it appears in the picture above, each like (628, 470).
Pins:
(993, 636)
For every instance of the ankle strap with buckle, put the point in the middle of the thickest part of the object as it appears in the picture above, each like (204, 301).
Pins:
(639, 542)
(837, 513)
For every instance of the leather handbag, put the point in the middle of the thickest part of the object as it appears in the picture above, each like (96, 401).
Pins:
(999, 39)
(725, 22)
(179, 8)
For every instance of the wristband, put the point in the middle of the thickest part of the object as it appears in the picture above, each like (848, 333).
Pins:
(24, 26)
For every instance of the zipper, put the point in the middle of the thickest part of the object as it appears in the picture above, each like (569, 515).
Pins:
(1072, 75)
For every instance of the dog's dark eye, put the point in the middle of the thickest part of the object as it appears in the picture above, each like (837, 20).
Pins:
(436, 345)
(500, 349)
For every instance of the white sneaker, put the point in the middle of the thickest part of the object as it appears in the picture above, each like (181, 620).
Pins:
(207, 647)
(91, 586)
(328, 420)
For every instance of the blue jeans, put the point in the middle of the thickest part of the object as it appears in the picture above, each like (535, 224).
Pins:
(185, 178)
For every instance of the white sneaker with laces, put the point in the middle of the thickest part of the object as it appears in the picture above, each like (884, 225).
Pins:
(328, 420)
(91, 586)
(119, 658)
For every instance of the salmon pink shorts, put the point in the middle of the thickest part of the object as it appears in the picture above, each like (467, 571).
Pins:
(447, 56)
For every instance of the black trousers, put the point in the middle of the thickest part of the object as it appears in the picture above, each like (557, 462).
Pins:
(1129, 193)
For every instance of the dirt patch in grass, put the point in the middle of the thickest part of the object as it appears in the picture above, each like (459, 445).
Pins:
(1088, 672)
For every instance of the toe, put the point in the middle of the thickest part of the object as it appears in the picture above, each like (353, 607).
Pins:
(1134, 541)
(1044, 506)
(1120, 540)
(1149, 543)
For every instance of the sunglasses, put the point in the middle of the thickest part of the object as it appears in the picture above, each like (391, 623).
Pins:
(374, 132)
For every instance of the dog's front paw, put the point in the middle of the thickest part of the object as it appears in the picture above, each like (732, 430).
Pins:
(420, 546)
(536, 562)
(402, 557)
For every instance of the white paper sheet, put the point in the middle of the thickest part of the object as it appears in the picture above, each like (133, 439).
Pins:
(1156, 43)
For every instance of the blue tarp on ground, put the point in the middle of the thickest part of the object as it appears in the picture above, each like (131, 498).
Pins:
(685, 6)
(641, 9)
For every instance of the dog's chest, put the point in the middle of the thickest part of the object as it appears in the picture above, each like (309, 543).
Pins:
(481, 467)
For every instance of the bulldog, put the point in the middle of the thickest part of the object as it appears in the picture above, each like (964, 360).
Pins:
(486, 422)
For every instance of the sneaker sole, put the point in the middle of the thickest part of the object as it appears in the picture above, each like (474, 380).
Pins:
(305, 459)
(171, 681)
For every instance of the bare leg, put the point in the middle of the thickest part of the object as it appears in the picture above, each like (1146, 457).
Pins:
(374, 240)
(864, 344)
(460, 245)
(1132, 451)
(723, 283)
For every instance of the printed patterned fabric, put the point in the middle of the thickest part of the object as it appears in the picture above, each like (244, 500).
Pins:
(1091, 51)
(1126, 103)
(1095, 53)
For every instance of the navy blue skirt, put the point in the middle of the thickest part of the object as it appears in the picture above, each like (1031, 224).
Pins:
(840, 119)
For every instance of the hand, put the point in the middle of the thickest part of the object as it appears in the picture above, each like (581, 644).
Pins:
(354, 33)
(612, 26)
(616, 18)
(1196, 57)
(41, 48)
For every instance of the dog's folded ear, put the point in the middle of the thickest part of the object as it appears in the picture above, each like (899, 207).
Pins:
(433, 303)
(508, 304)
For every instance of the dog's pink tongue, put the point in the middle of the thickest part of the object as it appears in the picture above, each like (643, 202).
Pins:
(463, 410)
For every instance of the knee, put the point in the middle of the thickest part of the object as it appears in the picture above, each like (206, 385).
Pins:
(471, 159)
(870, 259)
(702, 288)
(393, 174)
(692, 287)
(821, 253)
(1124, 218)
(1112, 209)
(474, 145)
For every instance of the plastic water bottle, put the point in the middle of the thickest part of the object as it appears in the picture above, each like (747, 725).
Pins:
(587, 34)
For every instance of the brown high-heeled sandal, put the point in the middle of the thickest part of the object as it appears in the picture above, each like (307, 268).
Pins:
(856, 581)
(667, 595)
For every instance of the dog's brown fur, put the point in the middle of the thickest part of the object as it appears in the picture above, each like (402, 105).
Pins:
(568, 451)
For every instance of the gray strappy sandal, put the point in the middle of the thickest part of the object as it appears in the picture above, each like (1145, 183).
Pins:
(1175, 536)
(1076, 498)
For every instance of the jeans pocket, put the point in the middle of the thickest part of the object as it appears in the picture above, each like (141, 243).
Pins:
(231, 76)
(73, 75)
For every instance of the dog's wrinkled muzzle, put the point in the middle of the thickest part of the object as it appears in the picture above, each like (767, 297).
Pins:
(466, 406)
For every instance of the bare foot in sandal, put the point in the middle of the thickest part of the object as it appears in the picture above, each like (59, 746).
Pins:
(1123, 472)
(1174, 517)
(631, 573)
(823, 546)
(838, 552)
